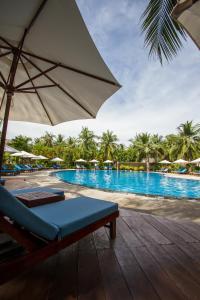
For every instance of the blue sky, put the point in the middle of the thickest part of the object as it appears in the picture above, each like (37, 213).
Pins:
(153, 98)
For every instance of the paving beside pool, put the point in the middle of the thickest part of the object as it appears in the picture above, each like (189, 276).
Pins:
(172, 208)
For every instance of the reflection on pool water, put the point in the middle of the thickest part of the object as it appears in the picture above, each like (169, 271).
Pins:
(134, 182)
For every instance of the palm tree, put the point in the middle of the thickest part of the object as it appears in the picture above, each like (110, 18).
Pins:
(108, 145)
(87, 143)
(188, 140)
(163, 35)
(71, 150)
(60, 140)
(48, 139)
(147, 146)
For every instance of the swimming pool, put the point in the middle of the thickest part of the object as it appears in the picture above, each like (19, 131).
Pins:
(134, 182)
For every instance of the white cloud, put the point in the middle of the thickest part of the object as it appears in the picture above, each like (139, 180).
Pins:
(153, 98)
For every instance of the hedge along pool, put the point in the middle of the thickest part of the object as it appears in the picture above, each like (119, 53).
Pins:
(144, 183)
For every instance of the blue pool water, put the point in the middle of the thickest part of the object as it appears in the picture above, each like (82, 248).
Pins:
(134, 182)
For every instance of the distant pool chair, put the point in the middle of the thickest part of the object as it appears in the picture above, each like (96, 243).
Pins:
(182, 171)
(46, 229)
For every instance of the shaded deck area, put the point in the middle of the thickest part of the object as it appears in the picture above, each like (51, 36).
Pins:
(151, 258)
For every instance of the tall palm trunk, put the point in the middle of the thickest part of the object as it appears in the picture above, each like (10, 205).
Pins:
(147, 163)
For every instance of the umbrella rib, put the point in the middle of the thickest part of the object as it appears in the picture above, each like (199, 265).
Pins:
(6, 42)
(72, 69)
(36, 87)
(38, 95)
(59, 86)
(6, 53)
(36, 76)
(3, 78)
(36, 14)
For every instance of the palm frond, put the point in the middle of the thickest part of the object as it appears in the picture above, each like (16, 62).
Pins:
(162, 34)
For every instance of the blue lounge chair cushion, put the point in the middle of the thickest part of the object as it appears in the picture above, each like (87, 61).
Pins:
(2, 181)
(74, 214)
(37, 189)
(17, 211)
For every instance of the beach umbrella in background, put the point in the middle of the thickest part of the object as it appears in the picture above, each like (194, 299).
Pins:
(181, 162)
(23, 154)
(42, 157)
(81, 160)
(57, 159)
(187, 13)
(195, 161)
(94, 161)
(164, 162)
(10, 149)
(50, 69)
(108, 161)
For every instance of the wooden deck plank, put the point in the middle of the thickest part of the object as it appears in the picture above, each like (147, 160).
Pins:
(38, 280)
(114, 283)
(179, 275)
(145, 231)
(185, 261)
(64, 283)
(128, 234)
(173, 226)
(133, 273)
(161, 282)
(90, 285)
(191, 228)
(188, 248)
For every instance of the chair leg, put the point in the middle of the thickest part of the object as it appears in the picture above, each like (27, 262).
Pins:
(113, 229)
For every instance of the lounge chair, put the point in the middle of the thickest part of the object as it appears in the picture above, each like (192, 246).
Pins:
(37, 189)
(6, 171)
(182, 171)
(2, 181)
(46, 229)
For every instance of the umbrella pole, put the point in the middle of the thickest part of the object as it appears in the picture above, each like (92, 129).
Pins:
(4, 129)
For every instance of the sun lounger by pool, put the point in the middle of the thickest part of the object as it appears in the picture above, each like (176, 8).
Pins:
(37, 189)
(46, 229)
(2, 181)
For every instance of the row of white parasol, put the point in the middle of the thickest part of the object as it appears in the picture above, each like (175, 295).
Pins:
(24, 154)
(180, 161)
(93, 161)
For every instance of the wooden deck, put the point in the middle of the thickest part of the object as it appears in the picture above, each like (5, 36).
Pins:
(151, 258)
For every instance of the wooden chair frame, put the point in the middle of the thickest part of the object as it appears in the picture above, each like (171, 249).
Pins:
(39, 249)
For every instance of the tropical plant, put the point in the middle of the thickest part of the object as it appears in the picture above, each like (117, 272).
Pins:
(188, 140)
(87, 143)
(108, 145)
(147, 146)
(163, 35)
(21, 143)
(48, 139)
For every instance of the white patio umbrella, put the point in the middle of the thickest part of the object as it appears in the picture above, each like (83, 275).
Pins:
(195, 161)
(164, 162)
(108, 161)
(187, 13)
(181, 162)
(94, 161)
(50, 69)
(23, 154)
(80, 160)
(10, 149)
(42, 157)
(57, 159)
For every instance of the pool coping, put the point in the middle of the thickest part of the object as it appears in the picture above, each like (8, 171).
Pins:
(123, 192)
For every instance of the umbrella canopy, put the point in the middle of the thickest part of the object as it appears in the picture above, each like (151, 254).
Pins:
(108, 161)
(10, 149)
(196, 161)
(180, 161)
(57, 159)
(187, 13)
(42, 157)
(51, 70)
(23, 154)
(80, 160)
(94, 161)
(164, 162)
